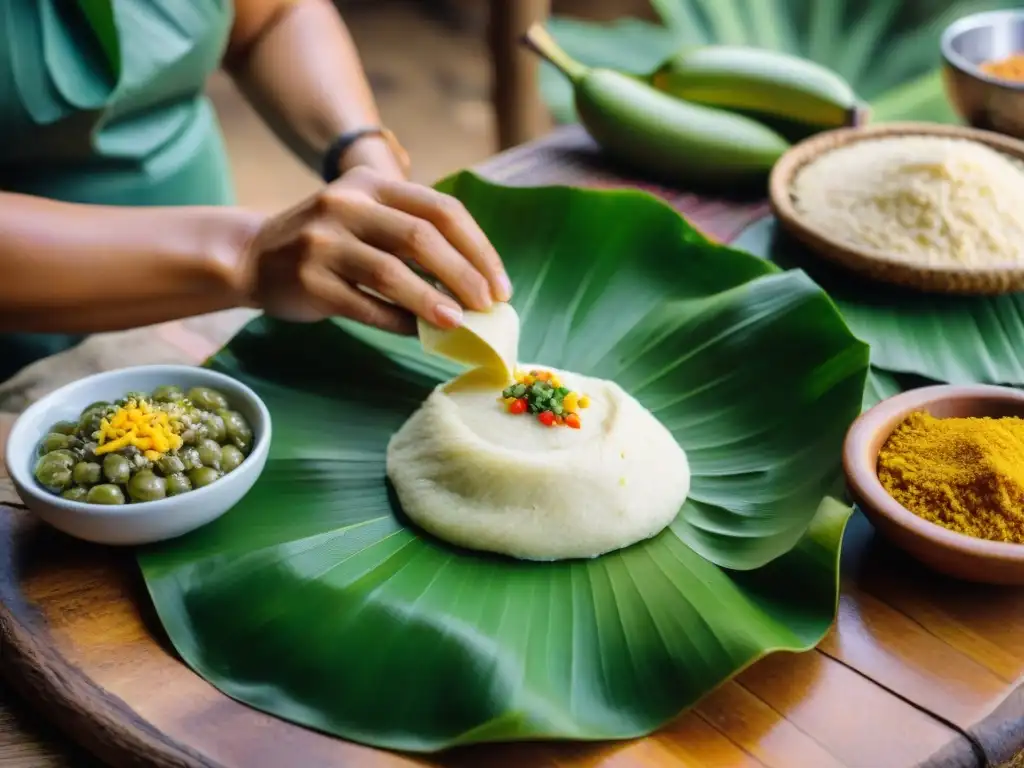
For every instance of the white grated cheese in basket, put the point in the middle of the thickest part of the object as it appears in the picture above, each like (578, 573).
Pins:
(922, 199)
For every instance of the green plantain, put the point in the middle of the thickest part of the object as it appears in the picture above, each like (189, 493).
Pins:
(756, 80)
(639, 125)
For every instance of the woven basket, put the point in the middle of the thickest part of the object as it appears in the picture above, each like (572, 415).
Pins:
(952, 279)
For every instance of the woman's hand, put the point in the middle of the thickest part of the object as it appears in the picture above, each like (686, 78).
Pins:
(370, 231)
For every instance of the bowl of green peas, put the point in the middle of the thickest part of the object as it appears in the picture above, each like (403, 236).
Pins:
(139, 455)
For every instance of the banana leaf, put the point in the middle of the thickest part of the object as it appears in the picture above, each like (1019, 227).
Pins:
(918, 337)
(888, 51)
(316, 600)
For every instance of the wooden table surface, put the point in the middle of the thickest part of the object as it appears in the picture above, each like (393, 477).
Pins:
(918, 670)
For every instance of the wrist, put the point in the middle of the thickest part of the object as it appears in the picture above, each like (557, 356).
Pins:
(373, 147)
(227, 254)
(374, 152)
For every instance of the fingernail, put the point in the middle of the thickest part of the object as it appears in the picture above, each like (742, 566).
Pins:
(449, 316)
(504, 287)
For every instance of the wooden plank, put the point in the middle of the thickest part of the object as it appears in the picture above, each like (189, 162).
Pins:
(949, 647)
(101, 668)
(26, 741)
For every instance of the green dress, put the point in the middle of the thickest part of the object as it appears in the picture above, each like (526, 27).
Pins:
(102, 101)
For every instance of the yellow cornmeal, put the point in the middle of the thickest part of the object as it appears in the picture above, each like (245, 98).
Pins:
(925, 200)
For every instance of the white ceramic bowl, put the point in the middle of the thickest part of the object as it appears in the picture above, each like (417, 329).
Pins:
(149, 521)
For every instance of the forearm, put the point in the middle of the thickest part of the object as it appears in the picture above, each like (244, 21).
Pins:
(303, 74)
(84, 269)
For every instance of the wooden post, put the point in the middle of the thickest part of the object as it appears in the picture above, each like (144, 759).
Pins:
(520, 114)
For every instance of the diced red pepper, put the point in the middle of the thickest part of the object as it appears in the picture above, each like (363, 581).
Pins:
(518, 406)
(547, 418)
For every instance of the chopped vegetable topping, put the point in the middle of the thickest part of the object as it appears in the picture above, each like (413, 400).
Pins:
(542, 393)
(142, 424)
(516, 407)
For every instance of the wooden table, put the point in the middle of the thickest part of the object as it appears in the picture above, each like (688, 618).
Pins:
(918, 670)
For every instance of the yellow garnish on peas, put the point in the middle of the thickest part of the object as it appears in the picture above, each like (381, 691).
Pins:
(139, 424)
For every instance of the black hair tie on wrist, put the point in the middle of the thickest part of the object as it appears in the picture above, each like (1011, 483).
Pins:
(331, 168)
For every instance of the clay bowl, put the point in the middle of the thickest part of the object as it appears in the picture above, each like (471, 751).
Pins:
(955, 554)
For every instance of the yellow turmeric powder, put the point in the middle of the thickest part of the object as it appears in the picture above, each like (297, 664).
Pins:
(965, 474)
(1009, 68)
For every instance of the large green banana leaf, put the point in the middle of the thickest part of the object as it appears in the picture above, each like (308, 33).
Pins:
(315, 600)
(956, 339)
(887, 49)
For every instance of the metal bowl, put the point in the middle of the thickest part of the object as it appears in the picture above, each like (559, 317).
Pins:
(980, 99)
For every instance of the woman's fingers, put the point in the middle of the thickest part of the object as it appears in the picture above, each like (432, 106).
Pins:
(419, 241)
(454, 222)
(337, 297)
(388, 276)
(447, 216)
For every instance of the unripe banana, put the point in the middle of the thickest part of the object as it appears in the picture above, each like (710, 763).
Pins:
(759, 80)
(659, 134)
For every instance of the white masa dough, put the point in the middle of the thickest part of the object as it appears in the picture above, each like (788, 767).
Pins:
(468, 472)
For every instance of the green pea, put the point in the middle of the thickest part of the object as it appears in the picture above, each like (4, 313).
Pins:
(207, 399)
(141, 462)
(238, 430)
(117, 469)
(63, 457)
(89, 451)
(98, 405)
(190, 458)
(215, 429)
(230, 458)
(65, 427)
(168, 393)
(105, 494)
(170, 464)
(202, 476)
(55, 441)
(178, 484)
(75, 494)
(90, 422)
(87, 473)
(210, 453)
(54, 476)
(145, 486)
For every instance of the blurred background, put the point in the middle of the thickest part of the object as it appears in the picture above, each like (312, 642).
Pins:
(429, 66)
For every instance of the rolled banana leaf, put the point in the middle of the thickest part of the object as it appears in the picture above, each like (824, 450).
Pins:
(316, 600)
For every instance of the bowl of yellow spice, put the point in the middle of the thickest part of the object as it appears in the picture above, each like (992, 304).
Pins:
(983, 69)
(940, 472)
(139, 455)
